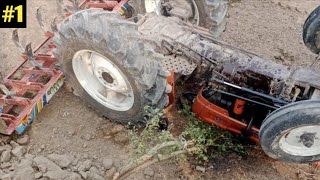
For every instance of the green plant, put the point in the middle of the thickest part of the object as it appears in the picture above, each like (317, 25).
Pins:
(150, 136)
(152, 145)
(210, 141)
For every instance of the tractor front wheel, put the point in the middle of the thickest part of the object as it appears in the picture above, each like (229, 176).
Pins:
(292, 133)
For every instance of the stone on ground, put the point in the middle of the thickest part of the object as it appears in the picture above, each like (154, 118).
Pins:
(107, 163)
(23, 140)
(110, 173)
(63, 161)
(56, 175)
(38, 175)
(5, 156)
(201, 169)
(73, 176)
(14, 144)
(19, 151)
(6, 177)
(85, 166)
(24, 173)
(45, 165)
(149, 172)
(5, 148)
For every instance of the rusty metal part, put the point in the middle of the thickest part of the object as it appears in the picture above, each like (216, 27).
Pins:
(31, 57)
(15, 39)
(119, 6)
(40, 21)
(108, 5)
(114, 6)
(4, 88)
(33, 89)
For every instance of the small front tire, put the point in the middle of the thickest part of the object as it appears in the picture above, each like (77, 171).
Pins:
(292, 133)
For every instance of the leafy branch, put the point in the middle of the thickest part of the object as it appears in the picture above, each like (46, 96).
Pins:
(152, 145)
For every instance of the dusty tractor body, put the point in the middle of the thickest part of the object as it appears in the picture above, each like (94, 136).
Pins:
(241, 89)
(120, 66)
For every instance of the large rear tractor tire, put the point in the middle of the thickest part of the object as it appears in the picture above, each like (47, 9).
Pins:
(110, 67)
(292, 133)
(212, 13)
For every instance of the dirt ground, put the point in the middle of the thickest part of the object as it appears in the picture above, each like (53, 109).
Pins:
(270, 28)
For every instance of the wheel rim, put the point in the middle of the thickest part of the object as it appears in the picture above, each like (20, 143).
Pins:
(301, 141)
(103, 80)
(155, 6)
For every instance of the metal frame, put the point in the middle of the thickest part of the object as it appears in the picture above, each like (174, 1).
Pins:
(25, 79)
(114, 6)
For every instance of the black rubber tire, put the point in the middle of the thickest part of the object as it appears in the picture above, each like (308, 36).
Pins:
(279, 122)
(212, 13)
(311, 31)
(118, 40)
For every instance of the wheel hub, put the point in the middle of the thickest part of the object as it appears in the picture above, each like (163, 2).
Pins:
(107, 77)
(178, 8)
(103, 80)
(153, 6)
(308, 139)
(302, 141)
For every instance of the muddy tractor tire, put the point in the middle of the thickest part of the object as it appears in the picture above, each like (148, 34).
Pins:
(311, 31)
(109, 67)
(292, 133)
(212, 13)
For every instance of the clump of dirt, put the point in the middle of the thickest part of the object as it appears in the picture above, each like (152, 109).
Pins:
(44, 79)
(30, 94)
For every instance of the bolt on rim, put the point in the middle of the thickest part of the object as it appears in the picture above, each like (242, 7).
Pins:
(301, 141)
(103, 80)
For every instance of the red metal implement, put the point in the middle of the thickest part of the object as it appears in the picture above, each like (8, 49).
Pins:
(33, 89)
